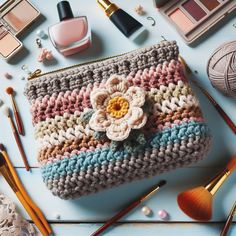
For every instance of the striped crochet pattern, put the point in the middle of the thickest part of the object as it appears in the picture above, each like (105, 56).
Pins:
(106, 123)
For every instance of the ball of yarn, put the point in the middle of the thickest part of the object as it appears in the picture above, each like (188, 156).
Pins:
(221, 69)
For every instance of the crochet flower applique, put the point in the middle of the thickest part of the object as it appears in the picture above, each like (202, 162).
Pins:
(117, 108)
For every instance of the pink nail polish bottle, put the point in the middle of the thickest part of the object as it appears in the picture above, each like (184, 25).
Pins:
(71, 34)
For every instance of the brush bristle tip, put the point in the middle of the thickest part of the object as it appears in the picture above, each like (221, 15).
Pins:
(9, 90)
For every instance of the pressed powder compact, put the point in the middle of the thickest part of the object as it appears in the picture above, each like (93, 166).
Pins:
(193, 18)
(15, 17)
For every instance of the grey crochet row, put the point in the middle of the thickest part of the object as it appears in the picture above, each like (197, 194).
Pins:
(75, 78)
(133, 168)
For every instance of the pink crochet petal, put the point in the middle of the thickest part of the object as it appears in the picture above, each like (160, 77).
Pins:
(136, 96)
(118, 131)
(99, 121)
(99, 98)
(136, 118)
(117, 83)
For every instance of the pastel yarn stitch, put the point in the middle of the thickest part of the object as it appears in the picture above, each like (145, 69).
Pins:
(118, 108)
(89, 139)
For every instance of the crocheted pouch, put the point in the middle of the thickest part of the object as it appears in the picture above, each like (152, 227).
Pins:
(108, 122)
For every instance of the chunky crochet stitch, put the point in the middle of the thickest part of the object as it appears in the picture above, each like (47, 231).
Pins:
(102, 124)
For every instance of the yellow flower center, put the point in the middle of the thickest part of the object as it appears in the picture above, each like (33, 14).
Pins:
(117, 107)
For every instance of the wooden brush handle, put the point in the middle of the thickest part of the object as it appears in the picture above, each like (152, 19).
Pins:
(19, 144)
(19, 123)
(10, 180)
(229, 221)
(25, 194)
(226, 118)
(32, 214)
(115, 218)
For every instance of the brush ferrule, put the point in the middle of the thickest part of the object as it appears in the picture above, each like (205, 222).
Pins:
(13, 103)
(150, 194)
(6, 174)
(214, 185)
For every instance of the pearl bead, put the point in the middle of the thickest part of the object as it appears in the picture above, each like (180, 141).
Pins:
(146, 211)
(41, 34)
(163, 214)
(21, 77)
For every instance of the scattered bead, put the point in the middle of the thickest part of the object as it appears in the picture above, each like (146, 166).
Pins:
(26, 69)
(139, 10)
(58, 216)
(38, 42)
(152, 19)
(1, 102)
(8, 76)
(41, 34)
(146, 211)
(163, 214)
(21, 77)
(45, 55)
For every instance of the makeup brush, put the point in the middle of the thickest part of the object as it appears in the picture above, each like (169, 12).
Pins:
(129, 208)
(4, 170)
(22, 189)
(220, 110)
(6, 112)
(226, 118)
(229, 221)
(19, 122)
(197, 202)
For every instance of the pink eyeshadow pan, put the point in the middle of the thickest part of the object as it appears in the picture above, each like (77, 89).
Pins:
(181, 20)
(21, 15)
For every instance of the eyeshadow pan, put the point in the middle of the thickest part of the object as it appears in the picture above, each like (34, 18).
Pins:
(8, 44)
(210, 4)
(21, 15)
(181, 20)
(194, 9)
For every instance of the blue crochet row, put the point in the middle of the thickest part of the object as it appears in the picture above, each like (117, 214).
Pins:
(106, 155)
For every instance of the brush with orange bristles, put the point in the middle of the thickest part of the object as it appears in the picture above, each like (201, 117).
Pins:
(197, 202)
(19, 122)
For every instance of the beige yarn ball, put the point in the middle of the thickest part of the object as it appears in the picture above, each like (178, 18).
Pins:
(221, 69)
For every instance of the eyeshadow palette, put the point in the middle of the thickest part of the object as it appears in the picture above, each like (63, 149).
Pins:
(15, 17)
(193, 18)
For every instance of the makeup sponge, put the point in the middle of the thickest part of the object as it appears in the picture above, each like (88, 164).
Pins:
(221, 69)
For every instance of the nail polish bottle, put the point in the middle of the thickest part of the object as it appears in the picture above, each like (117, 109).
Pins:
(71, 34)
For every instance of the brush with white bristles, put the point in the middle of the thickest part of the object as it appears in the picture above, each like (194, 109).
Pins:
(197, 202)
(6, 111)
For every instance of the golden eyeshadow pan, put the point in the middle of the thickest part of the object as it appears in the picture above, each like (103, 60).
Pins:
(193, 18)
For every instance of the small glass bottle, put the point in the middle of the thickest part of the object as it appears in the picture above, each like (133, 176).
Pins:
(71, 34)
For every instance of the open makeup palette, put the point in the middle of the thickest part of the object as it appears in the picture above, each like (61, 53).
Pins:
(15, 17)
(193, 18)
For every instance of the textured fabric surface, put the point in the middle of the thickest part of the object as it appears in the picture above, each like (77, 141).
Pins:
(117, 120)
(11, 222)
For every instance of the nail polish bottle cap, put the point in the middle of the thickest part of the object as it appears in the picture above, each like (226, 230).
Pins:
(64, 10)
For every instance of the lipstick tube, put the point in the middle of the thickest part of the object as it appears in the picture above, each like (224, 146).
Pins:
(130, 27)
